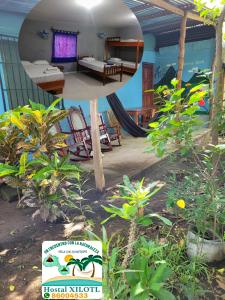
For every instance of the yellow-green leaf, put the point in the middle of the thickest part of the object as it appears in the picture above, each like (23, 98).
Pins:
(12, 288)
(16, 121)
(154, 125)
(38, 116)
(23, 162)
(196, 88)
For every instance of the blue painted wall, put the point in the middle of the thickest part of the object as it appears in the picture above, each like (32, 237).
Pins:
(198, 54)
(10, 24)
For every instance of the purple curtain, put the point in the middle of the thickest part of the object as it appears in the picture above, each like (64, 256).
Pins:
(64, 47)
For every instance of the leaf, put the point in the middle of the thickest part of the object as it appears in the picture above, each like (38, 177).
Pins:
(52, 106)
(16, 121)
(164, 294)
(38, 116)
(161, 274)
(197, 97)
(41, 174)
(36, 106)
(12, 288)
(163, 219)
(110, 217)
(196, 88)
(174, 82)
(7, 170)
(23, 163)
(154, 124)
(137, 289)
(144, 221)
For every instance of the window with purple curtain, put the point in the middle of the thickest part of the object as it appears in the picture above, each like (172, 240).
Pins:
(64, 47)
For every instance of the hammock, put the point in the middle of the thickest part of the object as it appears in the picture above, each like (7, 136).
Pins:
(124, 118)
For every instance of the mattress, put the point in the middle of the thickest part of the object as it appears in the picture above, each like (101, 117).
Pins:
(38, 75)
(128, 64)
(95, 65)
(131, 40)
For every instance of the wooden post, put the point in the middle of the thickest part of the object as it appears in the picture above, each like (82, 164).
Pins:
(97, 154)
(182, 49)
(137, 56)
(217, 99)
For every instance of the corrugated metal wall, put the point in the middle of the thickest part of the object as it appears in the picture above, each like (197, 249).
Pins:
(16, 87)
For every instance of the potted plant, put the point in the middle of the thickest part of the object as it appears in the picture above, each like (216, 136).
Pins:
(203, 205)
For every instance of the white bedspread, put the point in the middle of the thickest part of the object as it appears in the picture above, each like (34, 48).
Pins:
(126, 63)
(95, 65)
(39, 75)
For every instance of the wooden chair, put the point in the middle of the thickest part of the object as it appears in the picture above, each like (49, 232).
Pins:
(77, 145)
(147, 115)
(78, 125)
(81, 133)
(114, 130)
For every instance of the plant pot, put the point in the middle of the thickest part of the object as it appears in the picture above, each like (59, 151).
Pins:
(208, 250)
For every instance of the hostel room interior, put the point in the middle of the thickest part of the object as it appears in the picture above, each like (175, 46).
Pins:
(158, 65)
(73, 51)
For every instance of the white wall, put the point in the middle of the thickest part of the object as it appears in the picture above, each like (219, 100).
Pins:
(33, 47)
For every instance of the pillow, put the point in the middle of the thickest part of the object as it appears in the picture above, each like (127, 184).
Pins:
(26, 63)
(41, 62)
(115, 59)
(89, 58)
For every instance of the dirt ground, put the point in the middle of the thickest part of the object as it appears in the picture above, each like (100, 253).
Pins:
(21, 238)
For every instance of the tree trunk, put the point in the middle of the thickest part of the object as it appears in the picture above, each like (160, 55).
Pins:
(74, 270)
(93, 273)
(217, 100)
(182, 50)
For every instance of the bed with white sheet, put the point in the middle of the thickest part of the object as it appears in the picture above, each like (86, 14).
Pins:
(100, 68)
(128, 66)
(47, 77)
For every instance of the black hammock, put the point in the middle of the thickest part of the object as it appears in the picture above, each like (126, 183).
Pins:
(124, 118)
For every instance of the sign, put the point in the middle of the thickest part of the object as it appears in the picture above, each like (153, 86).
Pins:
(72, 270)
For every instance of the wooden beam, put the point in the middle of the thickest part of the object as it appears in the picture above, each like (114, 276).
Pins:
(178, 11)
(183, 31)
(96, 146)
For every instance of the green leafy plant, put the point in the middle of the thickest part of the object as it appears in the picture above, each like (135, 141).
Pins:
(34, 123)
(46, 183)
(150, 281)
(185, 275)
(178, 119)
(137, 197)
(114, 287)
(33, 166)
(10, 136)
(202, 191)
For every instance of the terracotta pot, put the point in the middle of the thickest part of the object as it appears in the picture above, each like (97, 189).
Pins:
(209, 250)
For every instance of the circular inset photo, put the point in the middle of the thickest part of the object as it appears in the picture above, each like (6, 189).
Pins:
(81, 49)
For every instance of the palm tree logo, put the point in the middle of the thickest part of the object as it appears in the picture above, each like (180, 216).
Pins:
(75, 262)
(93, 259)
(82, 264)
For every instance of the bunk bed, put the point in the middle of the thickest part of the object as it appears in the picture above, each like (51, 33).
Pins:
(100, 68)
(129, 67)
